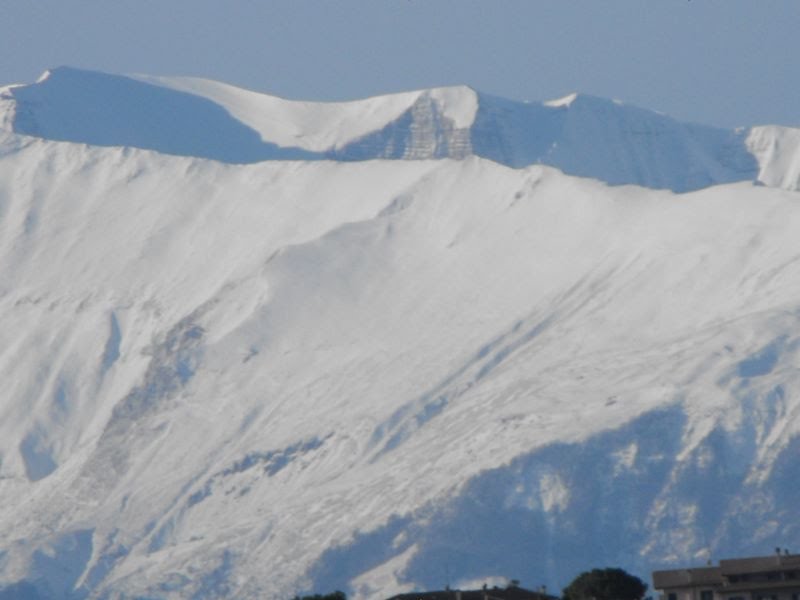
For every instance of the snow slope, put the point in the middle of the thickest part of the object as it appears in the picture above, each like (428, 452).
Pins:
(320, 126)
(580, 135)
(777, 150)
(243, 381)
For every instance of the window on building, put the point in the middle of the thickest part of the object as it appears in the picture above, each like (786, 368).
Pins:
(674, 596)
(706, 595)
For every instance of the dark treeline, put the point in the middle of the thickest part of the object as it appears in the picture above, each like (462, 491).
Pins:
(597, 584)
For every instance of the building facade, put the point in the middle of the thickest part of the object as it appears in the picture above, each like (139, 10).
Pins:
(775, 577)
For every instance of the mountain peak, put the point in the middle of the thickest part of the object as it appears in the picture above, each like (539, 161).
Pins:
(580, 99)
(458, 103)
(564, 101)
(101, 109)
(578, 133)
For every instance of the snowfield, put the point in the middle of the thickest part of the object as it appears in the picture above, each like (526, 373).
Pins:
(249, 380)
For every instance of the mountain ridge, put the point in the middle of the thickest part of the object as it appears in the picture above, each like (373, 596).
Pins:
(580, 134)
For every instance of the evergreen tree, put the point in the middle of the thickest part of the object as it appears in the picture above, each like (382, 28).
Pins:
(337, 595)
(605, 584)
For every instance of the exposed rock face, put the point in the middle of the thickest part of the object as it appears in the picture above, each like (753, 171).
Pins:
(422, 132)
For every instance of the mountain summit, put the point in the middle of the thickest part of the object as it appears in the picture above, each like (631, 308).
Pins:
(580, 135)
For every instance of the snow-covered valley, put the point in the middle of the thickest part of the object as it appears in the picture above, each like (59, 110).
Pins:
(247, 380)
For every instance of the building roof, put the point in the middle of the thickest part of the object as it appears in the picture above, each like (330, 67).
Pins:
(760, 564)
(687, 577)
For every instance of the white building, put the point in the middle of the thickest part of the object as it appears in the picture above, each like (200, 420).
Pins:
(774, 577)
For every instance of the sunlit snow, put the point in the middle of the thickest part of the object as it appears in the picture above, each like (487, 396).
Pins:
(246, 381)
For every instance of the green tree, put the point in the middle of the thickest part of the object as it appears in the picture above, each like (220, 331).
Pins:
(337, 595)
(605, 584)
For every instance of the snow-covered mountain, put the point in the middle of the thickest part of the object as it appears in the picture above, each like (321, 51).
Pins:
(247, 380)
(580, 135)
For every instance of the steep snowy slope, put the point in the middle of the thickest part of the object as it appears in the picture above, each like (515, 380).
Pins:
(580, 135)
(111, 110)
(245, 381)
(777, 150)
(317, 126)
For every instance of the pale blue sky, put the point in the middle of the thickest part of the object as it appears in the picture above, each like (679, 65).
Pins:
(724, 62)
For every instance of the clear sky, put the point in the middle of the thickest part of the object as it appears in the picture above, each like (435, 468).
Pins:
(723, 62)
